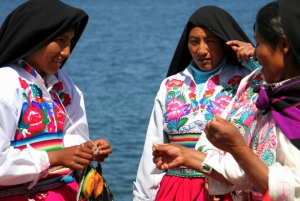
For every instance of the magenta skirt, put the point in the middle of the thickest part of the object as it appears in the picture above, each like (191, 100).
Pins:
(173, 188)
(65, 193)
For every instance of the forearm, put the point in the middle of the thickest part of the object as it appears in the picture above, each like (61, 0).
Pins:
(256, 171)
(194, 159)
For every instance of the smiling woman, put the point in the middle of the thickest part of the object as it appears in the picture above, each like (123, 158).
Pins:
(41, 109)
(49, 59)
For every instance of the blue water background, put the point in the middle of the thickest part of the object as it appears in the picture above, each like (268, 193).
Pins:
(119, 63)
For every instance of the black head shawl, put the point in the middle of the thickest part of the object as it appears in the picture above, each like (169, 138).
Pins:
(290, 20)
(36, 23)
(216, 20)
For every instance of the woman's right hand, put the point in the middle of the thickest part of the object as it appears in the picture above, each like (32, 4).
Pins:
(243, 50)
(167, 156)
(74, 157)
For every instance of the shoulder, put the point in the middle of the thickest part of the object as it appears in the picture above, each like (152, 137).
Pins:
(9, 75)
(69, 85)
(174, 83)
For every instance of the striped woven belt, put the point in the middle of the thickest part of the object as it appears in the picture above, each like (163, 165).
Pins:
(39, 187)
(183, 171)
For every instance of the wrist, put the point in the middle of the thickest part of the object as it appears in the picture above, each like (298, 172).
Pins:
(53, 158)
(240, 151)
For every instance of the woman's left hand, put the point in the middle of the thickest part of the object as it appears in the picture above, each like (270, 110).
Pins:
(223, 134)
(104, 150)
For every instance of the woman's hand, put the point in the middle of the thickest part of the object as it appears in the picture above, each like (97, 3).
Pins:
(243, 50)
(167, 156)
(223, 134)
(75, 157)
(104, 150)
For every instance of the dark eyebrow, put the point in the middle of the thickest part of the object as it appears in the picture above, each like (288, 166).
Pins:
(212, 36)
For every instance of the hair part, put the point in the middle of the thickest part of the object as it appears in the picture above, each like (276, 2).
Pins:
(268, 22)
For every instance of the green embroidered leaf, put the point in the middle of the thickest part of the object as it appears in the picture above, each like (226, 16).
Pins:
(182, 121)
(201, 148)
(171, 126)
(250, 94)
(238, 121)
(182, 97)
(255, 143)
(171, 94)
(26, 97)
(228, 89)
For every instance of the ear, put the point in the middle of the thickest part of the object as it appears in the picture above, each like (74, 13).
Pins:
(284, 44)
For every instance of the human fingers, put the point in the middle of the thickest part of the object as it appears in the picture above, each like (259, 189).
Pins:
(100, 158)
(75, 157)
(234, 43)
(160, 147)
(103, 147)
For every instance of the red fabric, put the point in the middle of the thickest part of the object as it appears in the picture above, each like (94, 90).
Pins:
(267, 197)
(65, 193)
(173, 188)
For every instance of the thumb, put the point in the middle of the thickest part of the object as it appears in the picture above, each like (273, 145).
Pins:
(158, 147)
(220, 119)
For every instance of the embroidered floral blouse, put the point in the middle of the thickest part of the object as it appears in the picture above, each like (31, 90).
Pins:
(179, 116)
(266, 140)
(23, 93)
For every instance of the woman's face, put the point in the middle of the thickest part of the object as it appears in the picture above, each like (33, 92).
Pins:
(207, 49)
(49, 58)
(271, 59)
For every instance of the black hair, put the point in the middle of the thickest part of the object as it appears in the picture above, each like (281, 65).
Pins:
(268, 22)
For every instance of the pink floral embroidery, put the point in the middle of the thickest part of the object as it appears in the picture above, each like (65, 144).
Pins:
(213, 82)
(272, 141)
(192, 87)
(174, 83)
(220, 104)
(174, 108)
(260, 148)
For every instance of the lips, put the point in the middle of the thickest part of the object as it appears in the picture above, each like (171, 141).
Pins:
(202, 60)
(58, 61)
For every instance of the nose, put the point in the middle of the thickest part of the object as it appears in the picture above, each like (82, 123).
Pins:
(202, 49)
(66, 51)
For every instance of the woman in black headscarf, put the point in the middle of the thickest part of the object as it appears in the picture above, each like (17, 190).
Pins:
(264, 160)
(202, 78)
(43, 127)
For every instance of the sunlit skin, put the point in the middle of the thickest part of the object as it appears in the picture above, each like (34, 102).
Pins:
(278, 63)
(207, 49)
(49, 59)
